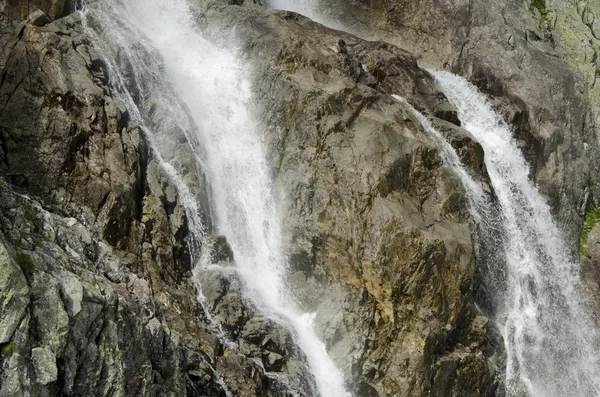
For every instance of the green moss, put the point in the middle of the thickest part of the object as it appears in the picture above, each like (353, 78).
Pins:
(167, 372)
(6, 349)
(176, 391)
(26, 263)
(591, 219)
(540, 5)
(28, 212)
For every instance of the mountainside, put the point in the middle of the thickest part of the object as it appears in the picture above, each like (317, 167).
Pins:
(107, 202)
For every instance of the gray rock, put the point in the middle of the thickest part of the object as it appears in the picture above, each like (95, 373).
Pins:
(374, 221)
(39, 18)
(221, 250)
(44, 365)
(14, 294)
(538, 71)
(96, 274)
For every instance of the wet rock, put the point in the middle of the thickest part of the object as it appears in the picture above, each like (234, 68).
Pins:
(54, 9)
(446, 111)
(96, 294)
(96, 280)
(591, 268)
(374, 221)
(221, 250)
(530, 65)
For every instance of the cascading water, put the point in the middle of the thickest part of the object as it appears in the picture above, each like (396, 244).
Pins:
(476, 194)
(550, 339)
(313, 9)
(215, 88)
(531, 284)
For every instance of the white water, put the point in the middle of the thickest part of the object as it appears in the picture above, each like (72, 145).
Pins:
(551, 342)
(477, 197)
(316, 10)
(215, 88)
(111, 24)
(550, 338)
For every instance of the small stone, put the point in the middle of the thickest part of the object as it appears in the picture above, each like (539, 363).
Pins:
(44, 365)
(273, 361)
(221, 251)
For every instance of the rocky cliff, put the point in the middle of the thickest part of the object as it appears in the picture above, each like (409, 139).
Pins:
(97, 289)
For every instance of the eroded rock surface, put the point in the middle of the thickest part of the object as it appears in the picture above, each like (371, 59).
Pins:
(535, 61)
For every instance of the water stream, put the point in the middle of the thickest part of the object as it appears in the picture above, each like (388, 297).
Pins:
(550, 338)
(207, 96)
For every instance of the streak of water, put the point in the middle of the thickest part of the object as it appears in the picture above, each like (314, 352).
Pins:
(317, 10)
(550, 339)
(476, 194)
(215, 88)
(104, 20)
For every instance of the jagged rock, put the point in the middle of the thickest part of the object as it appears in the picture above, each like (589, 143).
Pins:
(519, 59)
(256, 336)
(446, 111)
(44, 365)
(96, 295)
(39, 18)
(362, 181)
(14, 295)
(55, 9)
(591, 268)
(221, 250)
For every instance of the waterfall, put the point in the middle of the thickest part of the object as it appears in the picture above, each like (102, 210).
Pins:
(532, 286)
(216, 116)
(550, 338)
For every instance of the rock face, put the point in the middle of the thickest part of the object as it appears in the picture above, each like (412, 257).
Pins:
(536, 67)
(98, 293)
(378, 233)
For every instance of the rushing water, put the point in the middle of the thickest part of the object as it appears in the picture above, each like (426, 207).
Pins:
(214, 87)
(550, 339)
